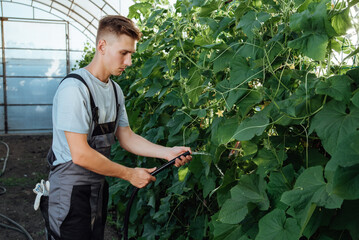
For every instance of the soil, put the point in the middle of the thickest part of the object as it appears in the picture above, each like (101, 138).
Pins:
(25, 167)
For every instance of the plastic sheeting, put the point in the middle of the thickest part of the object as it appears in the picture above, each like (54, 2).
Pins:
(82, 14)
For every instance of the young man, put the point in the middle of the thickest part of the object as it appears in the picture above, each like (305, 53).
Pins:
(88, 111)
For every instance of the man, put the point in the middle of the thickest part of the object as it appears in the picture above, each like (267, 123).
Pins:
(88, 111)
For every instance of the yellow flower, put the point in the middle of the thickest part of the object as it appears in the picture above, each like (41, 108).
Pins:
(219, 113)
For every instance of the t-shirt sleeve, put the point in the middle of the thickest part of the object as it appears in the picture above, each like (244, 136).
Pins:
(72, 111)
(122, 118)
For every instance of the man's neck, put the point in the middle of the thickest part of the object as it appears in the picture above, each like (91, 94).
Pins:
(96, 69)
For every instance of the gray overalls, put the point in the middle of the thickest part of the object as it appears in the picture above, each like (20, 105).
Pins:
(77, 204)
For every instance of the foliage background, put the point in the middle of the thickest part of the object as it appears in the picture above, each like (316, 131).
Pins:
(257, 86)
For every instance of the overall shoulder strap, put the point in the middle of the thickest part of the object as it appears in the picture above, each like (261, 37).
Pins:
(117, 104)
(94, 109)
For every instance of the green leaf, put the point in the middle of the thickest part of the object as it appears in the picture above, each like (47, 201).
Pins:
(266, 162)
(251, 50)
(232, 212)
(149, 65)
(202, 40)
(207, 9)
(313, 45)
(197, 227)
(155, 88)
(224, 133)
(143, 8)
(242, 71)
(355, 99)
(222, 60)
(275, 226)
(341, 22)
(194, 88)
(249, 148)
(251, 127)
(223, 231)
(144, 45)
(354, 74)
(182, 173)
(310, 188)
(151, 20)
(155, 134)
(178, 120)
(280, 182)
(338, 87)
(234, 96)
(248, 102)
(346, 182)
(313, 24)
(334, 123)
(172, 99)
(252, 21)
(347, 153)
(251, 189)
(348, 218)
(208, 183)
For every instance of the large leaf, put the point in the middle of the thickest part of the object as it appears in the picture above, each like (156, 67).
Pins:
(233, 211)
(242, 71)
(334, 123)
(224, 132)
(341, 22)
(194, 88)
(280, 182)
(250, 189)
(222, 60)
(266, 162)
(251, 127)
(252, 21)
(313, 24)
(234, 96)
(310, 188)
(346, 182)
(313, 45)
(338, 87)
(348, 218)
(248, 102)
(355, 99)
(224, 231)
(347, 153)
(275, 226)
(149, 65)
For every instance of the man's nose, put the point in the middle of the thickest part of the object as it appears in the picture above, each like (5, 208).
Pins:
(128, 60)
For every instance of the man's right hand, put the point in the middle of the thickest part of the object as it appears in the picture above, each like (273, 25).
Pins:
(140, 177)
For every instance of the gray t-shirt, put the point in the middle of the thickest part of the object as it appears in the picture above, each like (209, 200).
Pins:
(71, 110)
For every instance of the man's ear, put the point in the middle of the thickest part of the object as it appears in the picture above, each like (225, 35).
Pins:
(101, 46)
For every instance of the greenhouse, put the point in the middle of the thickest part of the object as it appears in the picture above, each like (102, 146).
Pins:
(179, 119)
(41, 41)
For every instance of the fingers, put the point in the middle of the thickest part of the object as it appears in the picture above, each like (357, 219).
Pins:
(183, 160)
(142, 177)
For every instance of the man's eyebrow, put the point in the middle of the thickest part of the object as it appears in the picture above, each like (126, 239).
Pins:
(125, 50)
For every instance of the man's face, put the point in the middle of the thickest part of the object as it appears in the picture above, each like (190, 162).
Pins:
(117, 53)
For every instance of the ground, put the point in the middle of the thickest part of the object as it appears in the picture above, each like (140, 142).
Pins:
(25, 167)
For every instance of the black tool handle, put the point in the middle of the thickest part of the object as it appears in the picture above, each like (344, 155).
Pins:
(166, 165)
(135, 190)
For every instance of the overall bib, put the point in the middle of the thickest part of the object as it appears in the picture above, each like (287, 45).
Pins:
(77, 203)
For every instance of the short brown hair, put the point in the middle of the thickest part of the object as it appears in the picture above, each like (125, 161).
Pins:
(118, 25)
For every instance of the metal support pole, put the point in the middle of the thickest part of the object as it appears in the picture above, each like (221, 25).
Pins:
(4, 73)
(67, 48)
